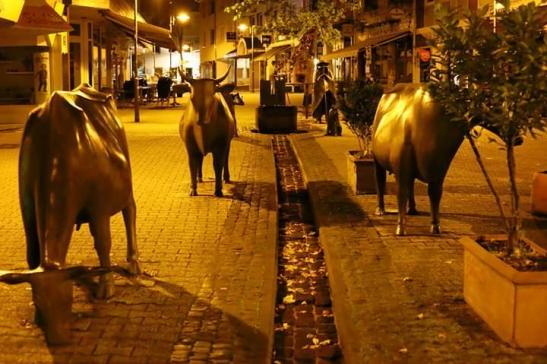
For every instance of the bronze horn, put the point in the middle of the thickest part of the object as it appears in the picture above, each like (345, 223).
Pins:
(219, 80)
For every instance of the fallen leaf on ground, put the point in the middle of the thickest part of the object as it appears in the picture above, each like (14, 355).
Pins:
(288, 299)
(420, 316)
(403, 350)
(315, 341)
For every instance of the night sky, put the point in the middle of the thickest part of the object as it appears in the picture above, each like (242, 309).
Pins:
(157, 11)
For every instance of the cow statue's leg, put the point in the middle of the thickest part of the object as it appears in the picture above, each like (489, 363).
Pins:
(31, 232)
(380, 188)
(129, 219)
(411, 200)
(226, 170)
(219, 157)
(200, 167)
(194, 160)
(55, 234)
(100, 229)
(405, 183)
(435, 191)
(402, 197)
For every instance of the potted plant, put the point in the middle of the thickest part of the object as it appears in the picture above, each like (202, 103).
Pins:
(358, 105)
(539, 193)
(496, 79)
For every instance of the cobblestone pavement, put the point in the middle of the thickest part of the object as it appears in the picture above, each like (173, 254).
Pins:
(210, 293)
(399, 299)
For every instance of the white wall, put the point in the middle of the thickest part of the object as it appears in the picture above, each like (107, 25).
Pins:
(161, 60)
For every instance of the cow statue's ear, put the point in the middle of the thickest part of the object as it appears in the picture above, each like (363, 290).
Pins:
(226, 88)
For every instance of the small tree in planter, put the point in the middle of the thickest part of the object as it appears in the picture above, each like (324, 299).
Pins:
(497, 80)
(358, 105)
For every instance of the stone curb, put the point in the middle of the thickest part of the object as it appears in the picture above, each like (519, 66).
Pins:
(268, 303)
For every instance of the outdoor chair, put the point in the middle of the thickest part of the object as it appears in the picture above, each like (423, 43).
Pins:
(164, 89)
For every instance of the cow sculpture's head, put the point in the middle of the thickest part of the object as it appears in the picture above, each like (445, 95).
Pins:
(52, 296)
(206, 93)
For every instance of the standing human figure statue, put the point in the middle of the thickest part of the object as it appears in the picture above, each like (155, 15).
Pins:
(42, 78)
(323, 92)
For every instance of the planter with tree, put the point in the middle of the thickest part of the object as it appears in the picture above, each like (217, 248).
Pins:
(358, 106)
(539, 193)
(496, 79)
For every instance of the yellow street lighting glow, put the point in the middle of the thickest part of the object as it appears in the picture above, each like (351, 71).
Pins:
(183, 17)
(242, 27)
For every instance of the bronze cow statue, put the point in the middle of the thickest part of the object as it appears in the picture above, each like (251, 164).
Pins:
(413, 139)
(207, 126)
(73, 169)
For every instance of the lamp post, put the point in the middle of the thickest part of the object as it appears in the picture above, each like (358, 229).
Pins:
(135, 71)
(182, 18)
(495, 7)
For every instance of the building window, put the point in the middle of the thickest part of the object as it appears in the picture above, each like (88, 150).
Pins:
(347, 42)
(212, 8)
(259, 20)
(212, 36)
(75, 29)
(370, 4)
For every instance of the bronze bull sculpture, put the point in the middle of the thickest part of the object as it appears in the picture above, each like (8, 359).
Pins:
(207, 126)
(413, 139)
(73, 169)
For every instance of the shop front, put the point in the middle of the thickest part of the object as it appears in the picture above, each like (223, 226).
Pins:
(32, 50)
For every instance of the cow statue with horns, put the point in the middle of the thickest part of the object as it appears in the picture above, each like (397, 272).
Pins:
(208, 126)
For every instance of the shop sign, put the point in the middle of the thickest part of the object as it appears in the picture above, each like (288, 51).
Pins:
(424, 54)
(396, 13)
(266, 39)
(42, 17)
(231, 36)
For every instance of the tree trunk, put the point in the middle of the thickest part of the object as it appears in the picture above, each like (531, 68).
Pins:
(514, 222)
(488, 180)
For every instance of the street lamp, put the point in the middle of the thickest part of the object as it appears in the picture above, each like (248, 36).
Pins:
(243, 28)
(135, 64)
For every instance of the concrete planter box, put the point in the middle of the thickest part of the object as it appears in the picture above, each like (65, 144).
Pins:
(361, 173)
(276, 119)
(539, 193)
(512, 303)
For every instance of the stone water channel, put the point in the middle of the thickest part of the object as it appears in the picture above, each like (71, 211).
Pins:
(305, 331)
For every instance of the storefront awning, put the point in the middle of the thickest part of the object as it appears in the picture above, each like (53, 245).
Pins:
(10, 10)
(41, 19)
(147, 32)
(370, 42)
(272, 52)
(230, 55)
